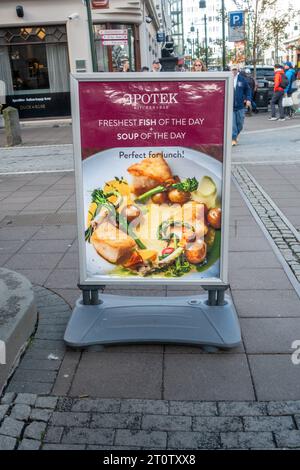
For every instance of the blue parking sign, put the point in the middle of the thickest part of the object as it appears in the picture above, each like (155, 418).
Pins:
(236, 18)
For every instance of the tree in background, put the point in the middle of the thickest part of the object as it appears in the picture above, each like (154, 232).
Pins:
(266, 22)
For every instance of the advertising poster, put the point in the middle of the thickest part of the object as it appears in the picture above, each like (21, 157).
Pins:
(150, 167)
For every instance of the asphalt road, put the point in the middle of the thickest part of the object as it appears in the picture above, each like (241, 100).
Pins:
(276, 145)
(261, 141)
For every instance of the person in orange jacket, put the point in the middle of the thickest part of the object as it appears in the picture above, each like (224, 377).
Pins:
(278, 94)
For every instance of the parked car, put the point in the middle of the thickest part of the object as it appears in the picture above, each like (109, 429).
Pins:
(264, 77)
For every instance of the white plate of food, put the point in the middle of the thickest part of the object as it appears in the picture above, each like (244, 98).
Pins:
(152, 212)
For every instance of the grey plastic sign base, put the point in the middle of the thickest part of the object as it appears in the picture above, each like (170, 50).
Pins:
(176, 320)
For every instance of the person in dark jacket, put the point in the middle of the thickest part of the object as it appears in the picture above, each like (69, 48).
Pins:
(242, 97)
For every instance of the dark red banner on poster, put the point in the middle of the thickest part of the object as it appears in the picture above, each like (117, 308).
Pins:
(190, 114)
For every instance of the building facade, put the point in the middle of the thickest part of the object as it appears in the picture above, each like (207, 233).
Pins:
(194, 27)
(41, 42)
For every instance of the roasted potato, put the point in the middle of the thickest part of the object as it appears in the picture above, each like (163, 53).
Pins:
(159, 198)
(178, 197)
(196, 252)
(214, 217)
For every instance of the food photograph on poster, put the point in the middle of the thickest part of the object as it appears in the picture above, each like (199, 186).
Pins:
(151, 166)
(158, 217)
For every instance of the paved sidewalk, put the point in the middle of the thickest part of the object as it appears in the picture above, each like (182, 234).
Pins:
(50, 135)
(155, 396)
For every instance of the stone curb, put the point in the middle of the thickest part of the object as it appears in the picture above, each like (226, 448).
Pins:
(18, 315)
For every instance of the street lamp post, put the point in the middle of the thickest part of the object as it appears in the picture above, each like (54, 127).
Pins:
(206, 46)
(202, 4)
(223, 36)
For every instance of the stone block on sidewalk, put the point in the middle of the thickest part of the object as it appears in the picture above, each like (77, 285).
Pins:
(12, 126)
(29, 444)
(35, 430)
(3, 411)
(54, 434)
(8, 398)
(247, 440)
(21, 412)
(26, 398)
(40, 415)
(7, 443)
(46, 402)
(11, 427)
(288, 439)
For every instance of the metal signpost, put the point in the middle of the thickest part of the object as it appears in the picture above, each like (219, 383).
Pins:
(152, 163)
(236, 26)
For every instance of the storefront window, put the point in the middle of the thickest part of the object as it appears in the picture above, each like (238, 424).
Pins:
(120, 53)
(34, 60)
(29, 68)
(111, 58)
(34, 66)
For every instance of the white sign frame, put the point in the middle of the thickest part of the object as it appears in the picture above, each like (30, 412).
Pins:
(146, 76)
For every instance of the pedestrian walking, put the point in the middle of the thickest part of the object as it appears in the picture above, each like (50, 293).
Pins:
(253, 87)
(156, 66)
(198, 66)
(126, 66)
(280, 83)
(242, 97)
(291, 75)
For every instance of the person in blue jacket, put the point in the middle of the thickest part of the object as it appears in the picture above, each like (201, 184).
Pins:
(291, 75)
(241, 98)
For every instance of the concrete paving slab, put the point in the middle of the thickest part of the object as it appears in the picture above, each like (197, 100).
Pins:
(56, 233)
(63, 279)
(46, 246)
(10, 233)
(66, 373)
(69, 295)
(35, 276)
(270, 335)
(34, 261)
(275, 377)
(117, 375)
(207, 377)
(11, 246)
(255, 279)
(69, 261)
(249, 244)
(252, 260)
(266, 303)
(180, 349)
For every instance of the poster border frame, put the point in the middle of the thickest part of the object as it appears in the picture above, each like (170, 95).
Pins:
(75, 78)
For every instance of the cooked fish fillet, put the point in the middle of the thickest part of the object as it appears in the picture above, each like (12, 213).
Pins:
(111, 243)
(149, 173)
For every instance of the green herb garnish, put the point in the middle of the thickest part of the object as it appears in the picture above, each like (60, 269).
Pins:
(188, 185)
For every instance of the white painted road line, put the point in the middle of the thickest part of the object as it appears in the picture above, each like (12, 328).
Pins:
(274, 129)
